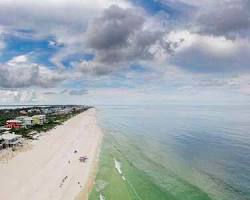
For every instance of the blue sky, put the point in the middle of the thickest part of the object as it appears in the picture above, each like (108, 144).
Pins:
(125, 52)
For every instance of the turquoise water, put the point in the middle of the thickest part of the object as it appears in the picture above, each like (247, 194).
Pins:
(185, 147)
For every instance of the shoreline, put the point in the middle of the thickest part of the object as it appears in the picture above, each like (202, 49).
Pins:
(84, 194)
(51, 169)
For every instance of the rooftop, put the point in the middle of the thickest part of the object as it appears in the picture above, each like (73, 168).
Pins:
(13, 121)
(9, 136)
(39, 116)
(2, 128)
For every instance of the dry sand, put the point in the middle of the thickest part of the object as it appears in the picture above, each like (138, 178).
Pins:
(44, 172)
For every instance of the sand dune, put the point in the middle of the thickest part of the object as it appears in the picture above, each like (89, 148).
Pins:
(51, 170)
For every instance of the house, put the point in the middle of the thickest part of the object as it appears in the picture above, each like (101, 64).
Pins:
(13, 124)
(38, 119)
(1, 143)
(63, 111)
(34, 110)
(47, 110)
(6, 132)
(11, 139)
(3, 129)
(34, 135)
(23, 112)
(26, 121)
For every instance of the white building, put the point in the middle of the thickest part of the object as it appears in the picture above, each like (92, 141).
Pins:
(26, 121)
(2, 129)
(1, 143)
(11, 139)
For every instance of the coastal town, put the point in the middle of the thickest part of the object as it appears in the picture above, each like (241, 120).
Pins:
(20, 124)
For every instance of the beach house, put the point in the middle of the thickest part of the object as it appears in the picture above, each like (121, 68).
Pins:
(10, 139)
(23, 112)
(26, 121)
(1, 143)
(38, 119)
(3, 129)
(13, 124)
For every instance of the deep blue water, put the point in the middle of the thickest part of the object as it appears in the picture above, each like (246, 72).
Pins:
(207, 146)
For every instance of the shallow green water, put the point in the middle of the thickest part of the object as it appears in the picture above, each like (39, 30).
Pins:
(137, 184)
(174, 154)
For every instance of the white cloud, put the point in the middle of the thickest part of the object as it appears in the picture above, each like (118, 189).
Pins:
(2, 44)
(15, 96)
(20, 72)
(203, 3)
(78, 27)
(64, 20)
(218, 45)
(208, 53)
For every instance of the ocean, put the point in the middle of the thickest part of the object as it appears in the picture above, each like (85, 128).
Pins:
(174, 152)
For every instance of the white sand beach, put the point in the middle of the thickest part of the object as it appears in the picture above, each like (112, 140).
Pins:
(50, 170)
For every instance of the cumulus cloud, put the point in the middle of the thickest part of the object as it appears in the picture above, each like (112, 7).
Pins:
(63, 20)
(208, 54)
(26, 96)
(42, 16)
(93, 68)
(74, 92)
(49, 93)
(2, 44)
(230, 18)
(15, 96)
(113, 29)
(20, 72)
(121, 37)
(226, 18)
